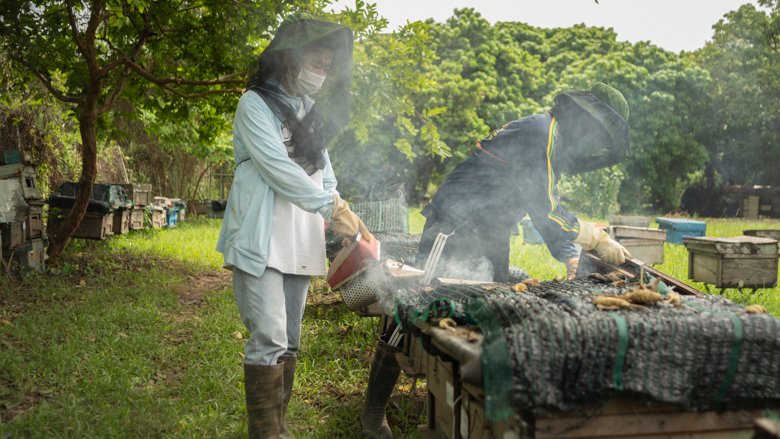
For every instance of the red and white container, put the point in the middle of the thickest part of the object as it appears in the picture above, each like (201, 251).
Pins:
(354, 261)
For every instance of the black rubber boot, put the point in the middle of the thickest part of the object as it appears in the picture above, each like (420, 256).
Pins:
(289, 362)
(263, 386)
(381, 381)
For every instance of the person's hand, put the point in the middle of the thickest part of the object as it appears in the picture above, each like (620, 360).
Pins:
(344, 222)
(571, 268)
(609, 250)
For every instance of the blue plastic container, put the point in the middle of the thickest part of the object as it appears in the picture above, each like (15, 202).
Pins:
(172, 216)
(677, 228)
(530, 234)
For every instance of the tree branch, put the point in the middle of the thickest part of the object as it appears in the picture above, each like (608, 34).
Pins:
(74, 28)
(162, 82)
(46, 81)
(109, 102)
(121, 60)
(95, 17)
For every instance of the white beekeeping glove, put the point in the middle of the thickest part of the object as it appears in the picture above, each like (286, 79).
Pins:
(591, 238)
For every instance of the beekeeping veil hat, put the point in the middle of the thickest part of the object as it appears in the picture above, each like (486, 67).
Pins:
(594, 128)
(298, 33)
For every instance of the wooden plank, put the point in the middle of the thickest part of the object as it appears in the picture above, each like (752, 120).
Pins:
(749, 273)
(442, 387)
(619, 232)
(730, 434)
(646, 250)
(704, 267)
(451, 342)
(767, 428)
(614, 406)
(645, 423)
(589, 263)
(625, 411)
(412, 358)
(629, 220)
(764, 233)
(738, 245)
(732, 272)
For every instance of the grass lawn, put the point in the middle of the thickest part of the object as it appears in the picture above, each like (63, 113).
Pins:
(139, 336)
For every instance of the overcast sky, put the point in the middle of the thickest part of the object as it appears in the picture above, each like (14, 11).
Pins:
(671, 24)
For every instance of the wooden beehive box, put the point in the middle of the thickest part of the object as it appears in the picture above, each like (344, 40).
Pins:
(157, 216)
(630, 418)
(442, 391)
(200, 207)
(25, 174)
(629, 220)
(216, 208)
(644, 243)
(34, 219)
(764, 233)
(32, 254)
(410, 355)
(457, 409)
(121, 223)
(413, 359)
(94, 225)
(12, 234)
(137, 218)
(140, 194)
(474, 424)
(738, 262)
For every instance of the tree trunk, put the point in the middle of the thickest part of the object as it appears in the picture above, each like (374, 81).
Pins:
(88, 128)
(184, 160)
(194, 194)
(119, 158)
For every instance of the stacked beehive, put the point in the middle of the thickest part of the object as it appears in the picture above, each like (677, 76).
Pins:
(140, 195)
(170, 211)
(216, 208)
(181, 207)
(108, 201)
(22, 235)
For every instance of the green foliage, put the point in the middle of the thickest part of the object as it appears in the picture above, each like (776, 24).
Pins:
(422, 95)
(34, 122)
(743, 58)
(593, 193)
(469, 77)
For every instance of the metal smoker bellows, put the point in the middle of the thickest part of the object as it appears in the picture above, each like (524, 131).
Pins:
(386, 275)
(354, 271)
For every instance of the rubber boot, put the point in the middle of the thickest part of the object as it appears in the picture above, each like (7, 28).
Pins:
(289, 362)
(263, 386)
(381, 381)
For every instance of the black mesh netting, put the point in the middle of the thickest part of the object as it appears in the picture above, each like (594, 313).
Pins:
(383, 216)
(400, 247)
(550, 347)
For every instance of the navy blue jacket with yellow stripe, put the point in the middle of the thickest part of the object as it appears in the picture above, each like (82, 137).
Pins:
(511, 173)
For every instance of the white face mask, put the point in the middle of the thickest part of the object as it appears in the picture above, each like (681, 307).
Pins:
(309, 82)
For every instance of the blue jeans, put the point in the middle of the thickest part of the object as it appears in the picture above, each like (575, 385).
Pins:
(271, 306)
